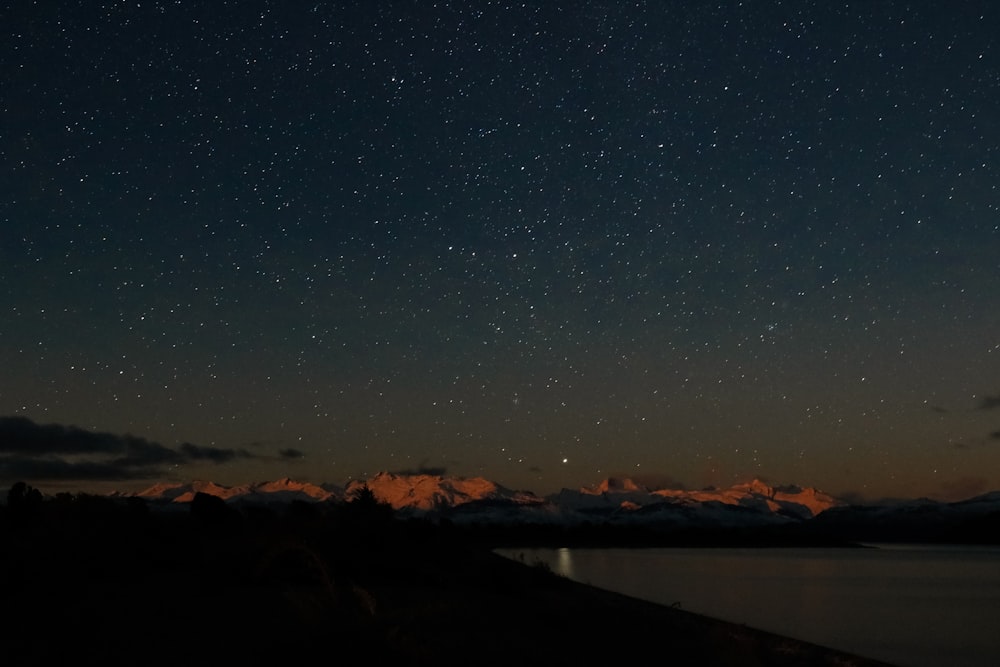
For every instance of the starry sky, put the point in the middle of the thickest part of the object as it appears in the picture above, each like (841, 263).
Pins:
(543, 242)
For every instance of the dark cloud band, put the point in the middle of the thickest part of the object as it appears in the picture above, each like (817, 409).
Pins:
(989, 402)
(57, 452)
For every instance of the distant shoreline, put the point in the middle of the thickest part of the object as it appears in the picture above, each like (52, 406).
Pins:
(114, 579)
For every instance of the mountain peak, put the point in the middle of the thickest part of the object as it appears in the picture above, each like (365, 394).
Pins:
(427, 492)
(618, 485)
(756, 487)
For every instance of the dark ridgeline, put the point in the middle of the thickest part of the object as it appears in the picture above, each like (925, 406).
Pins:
(90, 579)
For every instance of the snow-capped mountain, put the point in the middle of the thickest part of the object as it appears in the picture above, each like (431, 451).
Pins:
(754, 502)
(479, 498)
(624, 502)
(434, 492)
(787, 500)
(280, 491)
(610, 494)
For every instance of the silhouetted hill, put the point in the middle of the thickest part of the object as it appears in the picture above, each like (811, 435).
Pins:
(972, 521)
(105, 581)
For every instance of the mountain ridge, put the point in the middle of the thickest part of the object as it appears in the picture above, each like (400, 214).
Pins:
(422, 494)
(625, 504)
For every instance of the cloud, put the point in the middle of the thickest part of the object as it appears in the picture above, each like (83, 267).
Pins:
(213, 454)
(989, 403)
(434, 471)
(54, 469)
(290, 453)
(57, 452)
(423, 469)
(976, 443)
(20, 435)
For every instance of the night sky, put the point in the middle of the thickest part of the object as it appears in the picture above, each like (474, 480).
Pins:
(692, 243)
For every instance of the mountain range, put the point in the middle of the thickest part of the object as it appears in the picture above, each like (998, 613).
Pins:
(623, 502)
(277, 492)
(479, 499)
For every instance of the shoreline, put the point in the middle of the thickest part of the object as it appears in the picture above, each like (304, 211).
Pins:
(606, 625)
(118, 586)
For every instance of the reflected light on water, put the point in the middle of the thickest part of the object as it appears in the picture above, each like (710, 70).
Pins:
(911, 606)
(564, 563)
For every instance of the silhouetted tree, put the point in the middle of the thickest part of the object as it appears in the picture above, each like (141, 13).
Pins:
(64, 498)
(363, 497)
(23, 499)
(212, 512)
(364, 505)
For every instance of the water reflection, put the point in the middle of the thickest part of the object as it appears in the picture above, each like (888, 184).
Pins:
(564, 564)
(909, 605)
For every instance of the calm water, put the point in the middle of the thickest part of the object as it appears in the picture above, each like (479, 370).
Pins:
(910, 605)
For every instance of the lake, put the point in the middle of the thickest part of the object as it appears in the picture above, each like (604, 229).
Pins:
(910, 605)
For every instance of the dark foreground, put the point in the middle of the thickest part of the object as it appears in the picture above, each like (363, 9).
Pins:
(119, 585)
